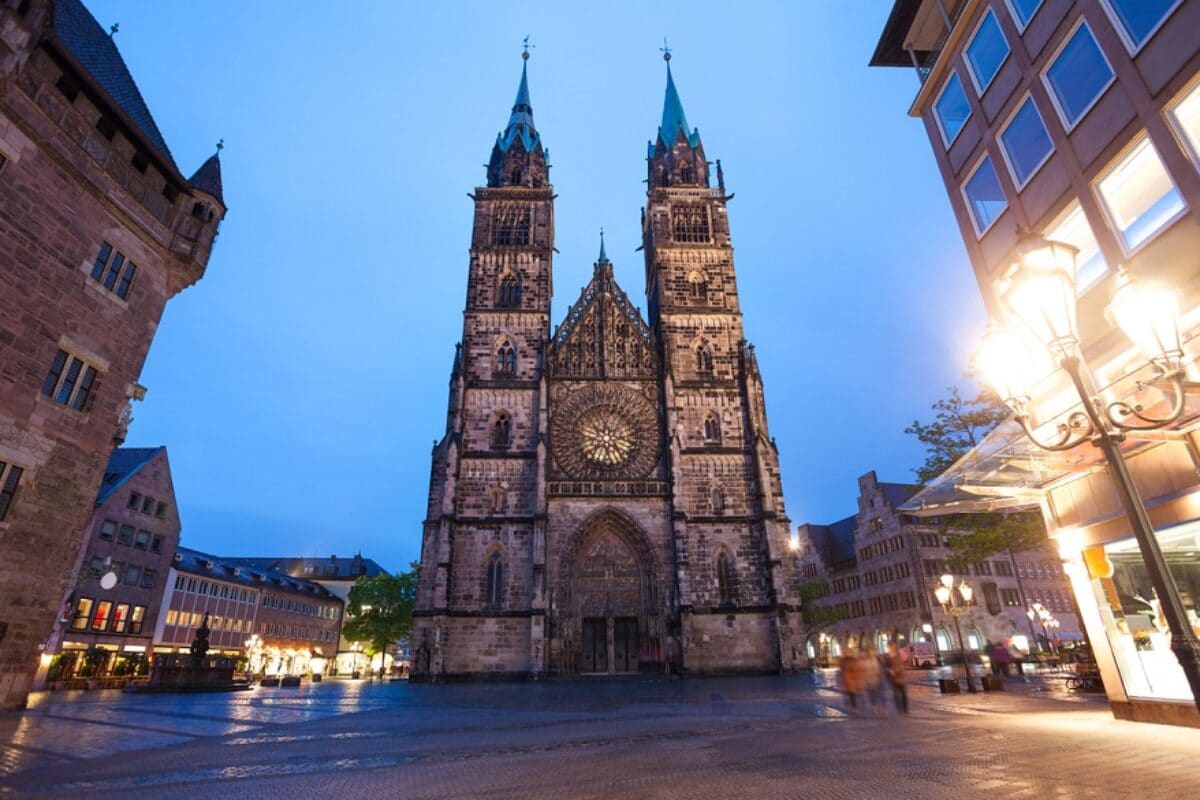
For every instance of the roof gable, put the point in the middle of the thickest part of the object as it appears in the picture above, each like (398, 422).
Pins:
(603, 335)
(123, 464)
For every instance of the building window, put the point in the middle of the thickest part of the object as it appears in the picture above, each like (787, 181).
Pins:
(132, 575)
(83, 612)
(136, 619)
(120, 618)
(724, 579)
(125, 536)
(142, 540)
(986, 52)
(985, 198)
(510, 225)
(510, 290)
(1185, 116)
(135, 500)
(1073, 229)
(689, 223)
(1022, 11)
(1003, 569)
(1025, 143)
(172, 615)
(108, 530)
(70, 381)
(113, 270)
(148, 577)
(1139, 196)
(501, 431)
(1138, 20)
(160, 510)
(704, 360)
(951, 109)
(717, 499)
(506, 358)
(697, 285)
(10, 477)
(495, 581)
(102, 615)
(712, 429)
(1077, 76)
(3, 161)
(156, 544)
(147, 505)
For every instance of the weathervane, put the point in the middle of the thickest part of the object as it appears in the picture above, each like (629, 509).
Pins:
(220, 145)
(116, 26)
(526, 45)
(665, 50)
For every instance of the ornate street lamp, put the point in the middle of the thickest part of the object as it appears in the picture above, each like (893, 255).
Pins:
(956, 602)
(1038, 292)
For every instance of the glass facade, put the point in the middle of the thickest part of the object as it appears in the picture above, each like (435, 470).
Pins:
(1077, 76)
(1139, 195)
(986, 52)
(952, 109)
(1026, 143)
(1131, 612)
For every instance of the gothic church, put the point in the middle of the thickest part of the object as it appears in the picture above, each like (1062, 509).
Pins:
(607, 498)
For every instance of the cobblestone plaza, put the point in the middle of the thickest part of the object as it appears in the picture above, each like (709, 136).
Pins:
(714, 738)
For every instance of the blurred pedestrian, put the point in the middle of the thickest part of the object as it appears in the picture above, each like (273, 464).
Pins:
(852, 678)
(893, 669)
(873, 677)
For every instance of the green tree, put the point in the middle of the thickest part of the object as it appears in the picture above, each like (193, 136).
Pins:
(959, 423)
(379, 609)
(817, 616)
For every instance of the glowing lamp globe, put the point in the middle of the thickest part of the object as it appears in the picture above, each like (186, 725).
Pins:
(1039, 290)
(966, 592)
(943, 594)
(1148, 313)
(1010, 365)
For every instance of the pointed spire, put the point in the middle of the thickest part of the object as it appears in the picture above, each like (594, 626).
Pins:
(603, 259)
(208, 178)
(520, 122)
(673, 118)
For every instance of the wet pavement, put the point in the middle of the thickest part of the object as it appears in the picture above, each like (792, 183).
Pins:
(643, 738)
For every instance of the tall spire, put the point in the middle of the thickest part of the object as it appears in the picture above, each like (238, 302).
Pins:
(673, 118)
(603, 259)
(520, 123)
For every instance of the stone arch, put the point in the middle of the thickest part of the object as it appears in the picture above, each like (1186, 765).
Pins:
(493, 570)
(702, 349)
(607, 570)
(504, 352)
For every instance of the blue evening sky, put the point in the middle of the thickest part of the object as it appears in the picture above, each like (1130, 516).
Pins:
(300, 385)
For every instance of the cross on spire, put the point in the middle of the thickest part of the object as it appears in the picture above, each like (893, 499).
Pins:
(526, 45)
(665, 50)
(220, 145)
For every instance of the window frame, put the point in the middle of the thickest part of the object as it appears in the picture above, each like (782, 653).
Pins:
(948, 141)
(1126, 37)
(1122, 156)
(980, 91)
(980, 233)
(1190, 148)
(1070, 208)
(1012, 170)
(10, 482)
(73, 374)
(1069, 125)
(1016, 18)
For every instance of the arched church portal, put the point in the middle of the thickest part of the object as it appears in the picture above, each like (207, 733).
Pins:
(609, 621)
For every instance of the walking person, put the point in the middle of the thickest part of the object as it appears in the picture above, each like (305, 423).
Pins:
(873, 677)
(852, 678)
(893, 670)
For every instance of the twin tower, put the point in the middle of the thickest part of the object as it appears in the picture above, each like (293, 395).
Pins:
(606, 498)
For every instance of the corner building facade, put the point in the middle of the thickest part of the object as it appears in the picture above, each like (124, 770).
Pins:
(606, 498)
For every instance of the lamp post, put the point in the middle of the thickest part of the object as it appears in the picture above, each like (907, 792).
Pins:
(1038, 294)
(956, 602)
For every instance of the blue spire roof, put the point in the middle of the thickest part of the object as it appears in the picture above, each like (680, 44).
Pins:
(673, 119)
(520, 124)
(603, 256)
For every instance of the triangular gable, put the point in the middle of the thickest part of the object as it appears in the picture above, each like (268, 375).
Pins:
(603, 335)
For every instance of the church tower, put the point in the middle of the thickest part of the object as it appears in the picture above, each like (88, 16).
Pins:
(735, 578)
(477, 573)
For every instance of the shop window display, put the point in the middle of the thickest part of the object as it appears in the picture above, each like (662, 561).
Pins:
(1132, 614)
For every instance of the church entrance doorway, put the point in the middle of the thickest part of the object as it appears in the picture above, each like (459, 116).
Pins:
(610, 645)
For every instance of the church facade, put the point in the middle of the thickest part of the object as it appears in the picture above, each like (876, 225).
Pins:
(606, 498)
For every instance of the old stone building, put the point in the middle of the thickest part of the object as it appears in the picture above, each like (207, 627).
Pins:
(98, 229)
(606, 498)
(880, 567)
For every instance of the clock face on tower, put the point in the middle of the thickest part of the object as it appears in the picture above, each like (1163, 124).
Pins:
(605, 432)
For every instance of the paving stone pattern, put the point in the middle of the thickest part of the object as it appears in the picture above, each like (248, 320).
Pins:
(712, 738)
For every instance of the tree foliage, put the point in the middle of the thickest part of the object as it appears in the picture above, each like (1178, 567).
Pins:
(959, 423)
(993, 534)
(817, 615)
(379, 609)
